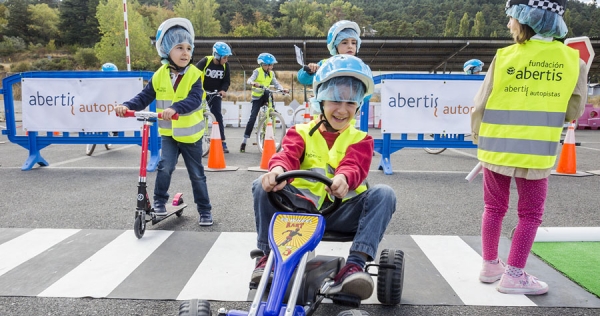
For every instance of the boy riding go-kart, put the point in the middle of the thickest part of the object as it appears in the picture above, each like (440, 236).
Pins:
(335, 159)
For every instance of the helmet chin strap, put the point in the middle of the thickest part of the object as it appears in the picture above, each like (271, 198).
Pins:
(324, 122)
(173, 66)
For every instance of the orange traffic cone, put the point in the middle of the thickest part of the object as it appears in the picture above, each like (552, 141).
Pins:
(307, 117)
(567, 162)
(269, 147)
(216, 156)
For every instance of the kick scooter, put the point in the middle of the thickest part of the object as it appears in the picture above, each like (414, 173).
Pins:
(144, 211)
(301, 279)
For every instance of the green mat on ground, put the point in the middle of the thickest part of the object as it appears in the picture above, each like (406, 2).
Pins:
(579, 261)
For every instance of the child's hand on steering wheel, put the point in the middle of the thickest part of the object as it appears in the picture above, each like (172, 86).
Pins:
(339, 187)
(269, 182)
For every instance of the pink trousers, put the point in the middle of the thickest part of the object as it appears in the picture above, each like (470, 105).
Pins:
(530, 208)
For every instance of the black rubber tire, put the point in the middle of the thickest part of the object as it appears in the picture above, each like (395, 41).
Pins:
(139, 227)
(195, 307)
(390, 281)
(89, 149)
(179, 213)
(434, 151)
(210, 118)
(353, 312)
(278, 132)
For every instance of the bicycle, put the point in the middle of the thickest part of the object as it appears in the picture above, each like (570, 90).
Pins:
(89, 148)
(268, 114)
(435, 151)
(209, 118)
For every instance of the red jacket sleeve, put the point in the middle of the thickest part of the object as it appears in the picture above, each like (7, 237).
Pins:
(292, 149)
(357, 162)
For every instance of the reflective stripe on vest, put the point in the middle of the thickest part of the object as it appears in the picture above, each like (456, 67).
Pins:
(525, 112)
(189, 128)
(263, 80)
(318, 158)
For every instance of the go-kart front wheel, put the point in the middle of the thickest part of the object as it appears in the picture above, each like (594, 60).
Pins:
(195, 307)
(390, 280)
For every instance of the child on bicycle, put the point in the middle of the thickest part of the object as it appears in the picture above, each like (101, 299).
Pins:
(216, 78)
(343, 38)
(177, 88)
(517, 134)
(262, 76)
(332, 146)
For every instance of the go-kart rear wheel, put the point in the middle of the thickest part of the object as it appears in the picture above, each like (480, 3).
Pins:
(139, 227)
(353, 312)
(195, 308)
(390, 281)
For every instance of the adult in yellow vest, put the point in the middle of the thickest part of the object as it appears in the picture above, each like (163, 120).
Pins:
(216, 77)
(261, 76)
(332, 146)
(177, 88)
(530, 90)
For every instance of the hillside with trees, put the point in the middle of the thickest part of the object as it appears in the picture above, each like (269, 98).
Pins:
(82, 34)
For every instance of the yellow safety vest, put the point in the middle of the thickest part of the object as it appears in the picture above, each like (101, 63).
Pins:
(318, 158)
(189, 128)
(525, 114)
(263, 80)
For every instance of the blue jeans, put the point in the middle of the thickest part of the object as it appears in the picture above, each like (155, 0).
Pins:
(367, 215)
(192, 156)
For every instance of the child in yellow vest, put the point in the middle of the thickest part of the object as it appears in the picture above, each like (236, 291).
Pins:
(177, 88)
(518, 132)
(332, 146)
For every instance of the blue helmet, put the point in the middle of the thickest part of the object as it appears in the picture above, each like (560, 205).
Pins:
(335, 29)
(109, 67)
(166, 26)
(342, 66)
(221, 49)
(266, 58)
(473, 66)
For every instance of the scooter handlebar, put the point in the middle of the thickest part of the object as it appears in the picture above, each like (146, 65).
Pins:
(146, 114)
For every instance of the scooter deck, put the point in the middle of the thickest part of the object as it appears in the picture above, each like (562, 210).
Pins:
(170, 211)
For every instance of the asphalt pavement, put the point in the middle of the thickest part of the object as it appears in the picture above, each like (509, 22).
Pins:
(433, 198)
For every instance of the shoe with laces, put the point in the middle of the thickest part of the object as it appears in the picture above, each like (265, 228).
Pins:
(205, 219)
(491, 272)
(260, 269)
(352, 279)
(243, 148)
(160, 209)
(525, 284)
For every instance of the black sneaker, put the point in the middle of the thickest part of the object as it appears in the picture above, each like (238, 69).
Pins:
(243, 148)
(225, 150)
(205, 219)
(160, 209)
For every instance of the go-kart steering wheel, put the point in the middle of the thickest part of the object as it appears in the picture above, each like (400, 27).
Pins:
(304, 174)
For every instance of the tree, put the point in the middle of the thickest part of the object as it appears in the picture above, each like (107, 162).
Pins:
(44, 23)
(478, 25)
(18, 19)
(3, 18)
(78, 22)
(302, 17)
(451, 26)
(111, 47)
(463, 29)
(201, 14)
(155, 15)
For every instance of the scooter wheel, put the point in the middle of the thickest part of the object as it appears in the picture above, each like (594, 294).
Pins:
(178, 213)
(390, 281)
(353, 312)
(139, 227)
(195, 308)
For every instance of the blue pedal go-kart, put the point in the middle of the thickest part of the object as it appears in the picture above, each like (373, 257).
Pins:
(301, 278)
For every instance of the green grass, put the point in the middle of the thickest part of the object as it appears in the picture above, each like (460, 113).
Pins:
(579, 261)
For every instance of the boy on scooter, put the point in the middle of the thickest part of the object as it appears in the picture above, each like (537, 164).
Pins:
(177, 88)
(332, 146)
